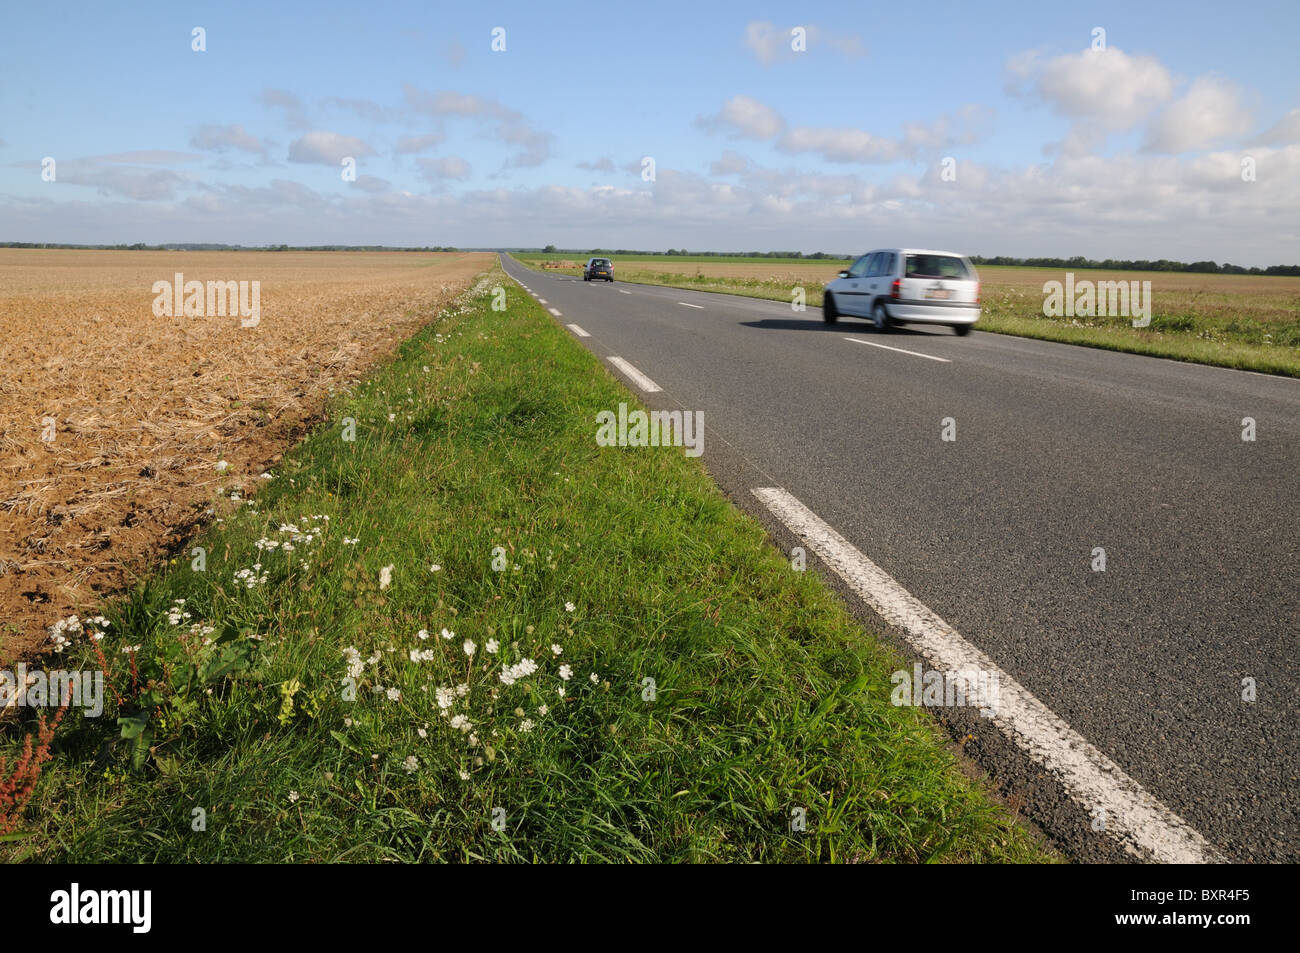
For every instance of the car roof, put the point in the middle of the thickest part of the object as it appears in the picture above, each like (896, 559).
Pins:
(928, 251)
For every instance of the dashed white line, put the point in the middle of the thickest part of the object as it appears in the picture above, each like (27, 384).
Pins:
(1132, 816)
(541, 301)
(622, 292)
(554, 312)
(578, 331)
(699, 307)
(641, 381)
(900, 350)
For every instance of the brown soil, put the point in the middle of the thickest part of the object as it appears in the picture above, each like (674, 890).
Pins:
(144, 407)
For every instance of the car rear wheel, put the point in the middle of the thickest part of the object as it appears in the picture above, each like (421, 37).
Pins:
(880, 318)
(830, 313)
(961, 329)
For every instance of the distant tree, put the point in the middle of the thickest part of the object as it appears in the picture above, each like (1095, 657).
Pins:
(549, 250)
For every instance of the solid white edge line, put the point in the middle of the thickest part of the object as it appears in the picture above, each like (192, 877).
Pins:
(685, 305)
(578, 331)
(899, 350)
(641, 381)
(1138, 821)
(554, 312)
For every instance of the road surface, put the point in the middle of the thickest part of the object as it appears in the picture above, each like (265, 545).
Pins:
(1059, 452)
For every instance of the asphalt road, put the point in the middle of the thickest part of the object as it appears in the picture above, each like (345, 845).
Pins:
(1059, 450)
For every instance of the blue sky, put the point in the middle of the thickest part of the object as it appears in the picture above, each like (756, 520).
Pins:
(1054, 148)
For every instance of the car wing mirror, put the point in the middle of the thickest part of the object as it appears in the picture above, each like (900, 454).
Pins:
(844, 274)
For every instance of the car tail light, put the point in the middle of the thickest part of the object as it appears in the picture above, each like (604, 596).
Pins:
(977, 292)
(896, 290)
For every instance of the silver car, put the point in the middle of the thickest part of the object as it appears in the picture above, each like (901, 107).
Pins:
(906, 286)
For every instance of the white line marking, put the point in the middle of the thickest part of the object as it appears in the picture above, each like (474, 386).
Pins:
(622, 292)
(578, 331)
(685, 305)
(900, 350)
(1133, 817)
(641, 381)
(554, 312)
(541, 301)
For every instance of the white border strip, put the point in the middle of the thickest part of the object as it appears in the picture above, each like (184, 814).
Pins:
(554, 312)
(697, 306)
(899, 350)
(1134, 818)
(639, 379)
(578, 331)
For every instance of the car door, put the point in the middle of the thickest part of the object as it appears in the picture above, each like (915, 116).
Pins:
(878, 279)
(852, 287)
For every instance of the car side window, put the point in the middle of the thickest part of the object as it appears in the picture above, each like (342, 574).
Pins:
(859, 268)
(887, 262)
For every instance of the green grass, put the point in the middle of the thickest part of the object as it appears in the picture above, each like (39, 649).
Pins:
(767, 695)
(1245, 322)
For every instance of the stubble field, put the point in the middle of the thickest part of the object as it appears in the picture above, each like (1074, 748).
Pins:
(114, 422)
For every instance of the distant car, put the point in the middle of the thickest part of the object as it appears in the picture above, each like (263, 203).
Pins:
(906, 286)
(598, 268)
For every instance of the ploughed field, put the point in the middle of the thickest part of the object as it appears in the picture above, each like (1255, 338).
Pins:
(115, 418)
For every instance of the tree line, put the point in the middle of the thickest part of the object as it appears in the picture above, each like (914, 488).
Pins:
(1077, 262)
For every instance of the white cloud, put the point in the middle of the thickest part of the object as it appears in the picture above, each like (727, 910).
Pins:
(603, 164)
(772, 44)
(1212, 110)
(730, 163)
(149, 185)
(746, 117)
(327, 148)
(509, 125)
(372, 183)
(1106, 86)
(1286, 131)
(362, 108)
(446, 167)
(410, 144)
(213, 138)
(294, 115)
(146, 157)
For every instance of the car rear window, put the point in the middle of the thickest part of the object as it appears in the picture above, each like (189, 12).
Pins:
(936, 266)
(600, 261)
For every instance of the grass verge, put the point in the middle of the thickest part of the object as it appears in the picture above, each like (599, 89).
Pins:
(318, 701)
(1235, 327)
